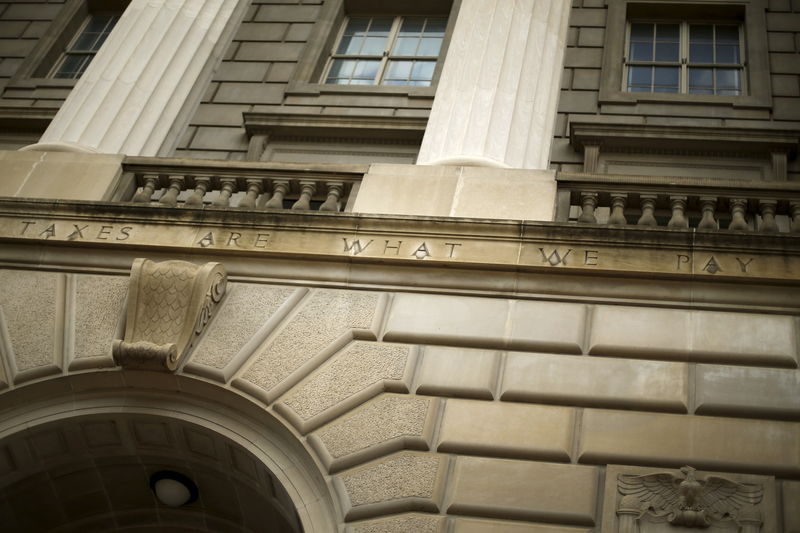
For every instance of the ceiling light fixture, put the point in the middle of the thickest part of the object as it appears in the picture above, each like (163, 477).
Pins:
(173, 488)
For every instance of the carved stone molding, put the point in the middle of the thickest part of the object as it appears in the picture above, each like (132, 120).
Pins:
(642, 500)
(169, 305)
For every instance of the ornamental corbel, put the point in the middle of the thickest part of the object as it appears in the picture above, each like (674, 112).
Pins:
(169, 305)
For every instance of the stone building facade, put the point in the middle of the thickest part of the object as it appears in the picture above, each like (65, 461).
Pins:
(526, 266)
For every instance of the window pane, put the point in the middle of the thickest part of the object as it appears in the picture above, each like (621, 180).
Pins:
(700, 78)
(429, 47)
(642, 32)
(374, 46)
(668, 32)
(381, 26)
(667, 52)
(700, 53)
(641, 52)
(728, 34)
(727, 78)
(422, 70)
(696, 90)
(405, 46)
(350, 45)
(412, 26)
(356, 26)
(640, 77)
(342, 68)
(366, 69)
(727, 54)
(701, 33)
(667, 76)
(435, 27)
(73, 66)
(729, 91)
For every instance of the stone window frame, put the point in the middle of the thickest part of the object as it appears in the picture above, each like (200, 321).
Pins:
(35, 70)
(326, 30)
(752, 17)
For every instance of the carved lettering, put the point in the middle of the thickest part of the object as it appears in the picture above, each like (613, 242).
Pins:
(422, 252)
(124, 233)
(682, 260)
(207, 240)
(234, 238)
(77, 233)
(104, 232)
(261, 240)
(50, 231)
(555, 258)
(395, 248)
(590, 257)
(712, 267)
(355, 246)
(744, 265)
(27, 225)
(452, 246)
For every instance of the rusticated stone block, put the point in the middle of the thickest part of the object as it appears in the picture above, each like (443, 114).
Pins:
(791, 509)
(475, 525)
(99, 302)
(503, 429)
(693, 335)
(599, 381)
(355, 374)
(737, 390)
(524, 490)
(458, 372)
(29, 310)
(404, 481)
(547, 326)
(386, 424)
(248, 314)
(326, 321)
(700, 441)
(405, 523)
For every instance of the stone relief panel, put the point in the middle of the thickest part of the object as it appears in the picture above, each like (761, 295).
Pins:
(648, 500)
(99, 303)
(169, 305)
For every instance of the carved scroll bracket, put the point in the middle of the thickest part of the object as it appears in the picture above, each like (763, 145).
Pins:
(169, 305)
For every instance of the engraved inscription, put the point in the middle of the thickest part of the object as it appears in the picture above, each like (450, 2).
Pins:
(74, 232)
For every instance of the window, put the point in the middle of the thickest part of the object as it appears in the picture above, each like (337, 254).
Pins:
(386, 51)
(685, 57)
(84, 46)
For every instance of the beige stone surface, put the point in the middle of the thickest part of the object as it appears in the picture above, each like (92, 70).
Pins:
(446, 319)
(62, 175)
(99, 303)
(524, 490)
(700, 441)
(325, 321)
(28, 301)
(405, 523)
(458, 372)
(791, 506)
(595, 381)
(388, 423)
(547, 326)
(503, 429)
(693, 335)
(407, 190)
(359, 371)
(475, 525)
(246, 308)
(401, 482)
(737, 390)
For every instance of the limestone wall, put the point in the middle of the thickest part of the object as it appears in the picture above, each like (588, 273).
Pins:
(428, 411)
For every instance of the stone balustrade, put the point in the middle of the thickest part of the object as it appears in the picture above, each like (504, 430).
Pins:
(678, 203)
(240, 184)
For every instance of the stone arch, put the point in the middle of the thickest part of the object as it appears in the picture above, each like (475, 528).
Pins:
(104, 423)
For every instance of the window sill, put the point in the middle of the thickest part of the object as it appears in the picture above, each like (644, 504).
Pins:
(297, 88)
(622, 97)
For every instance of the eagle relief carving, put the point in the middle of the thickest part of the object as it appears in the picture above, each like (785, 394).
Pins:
(688, 502)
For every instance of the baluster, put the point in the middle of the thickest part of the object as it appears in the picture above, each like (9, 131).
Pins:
(201, 186)
(738, 208)
(170, 196)
(678, 206)
(146, 194)
(794, 212)
(768, 224)
(307, 190)
(588, 205)
(335, 190)
(648, 203)
(279, 190)
(708, 205)
(253, 191)
(618, 202)
(227, 188)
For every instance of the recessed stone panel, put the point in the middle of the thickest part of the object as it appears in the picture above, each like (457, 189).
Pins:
(476, 525)
(737, 390)
(524, 490)
(547, 326)
(404, 523)
(99, 304)
(458, 372)
(503, 429)
(791, 509)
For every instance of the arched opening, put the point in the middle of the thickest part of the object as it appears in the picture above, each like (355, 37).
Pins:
(85, 461)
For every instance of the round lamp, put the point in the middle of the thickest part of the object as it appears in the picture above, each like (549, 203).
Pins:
(173, 489)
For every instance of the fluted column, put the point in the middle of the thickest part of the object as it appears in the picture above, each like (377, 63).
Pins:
(495, 104)
(133, 93)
